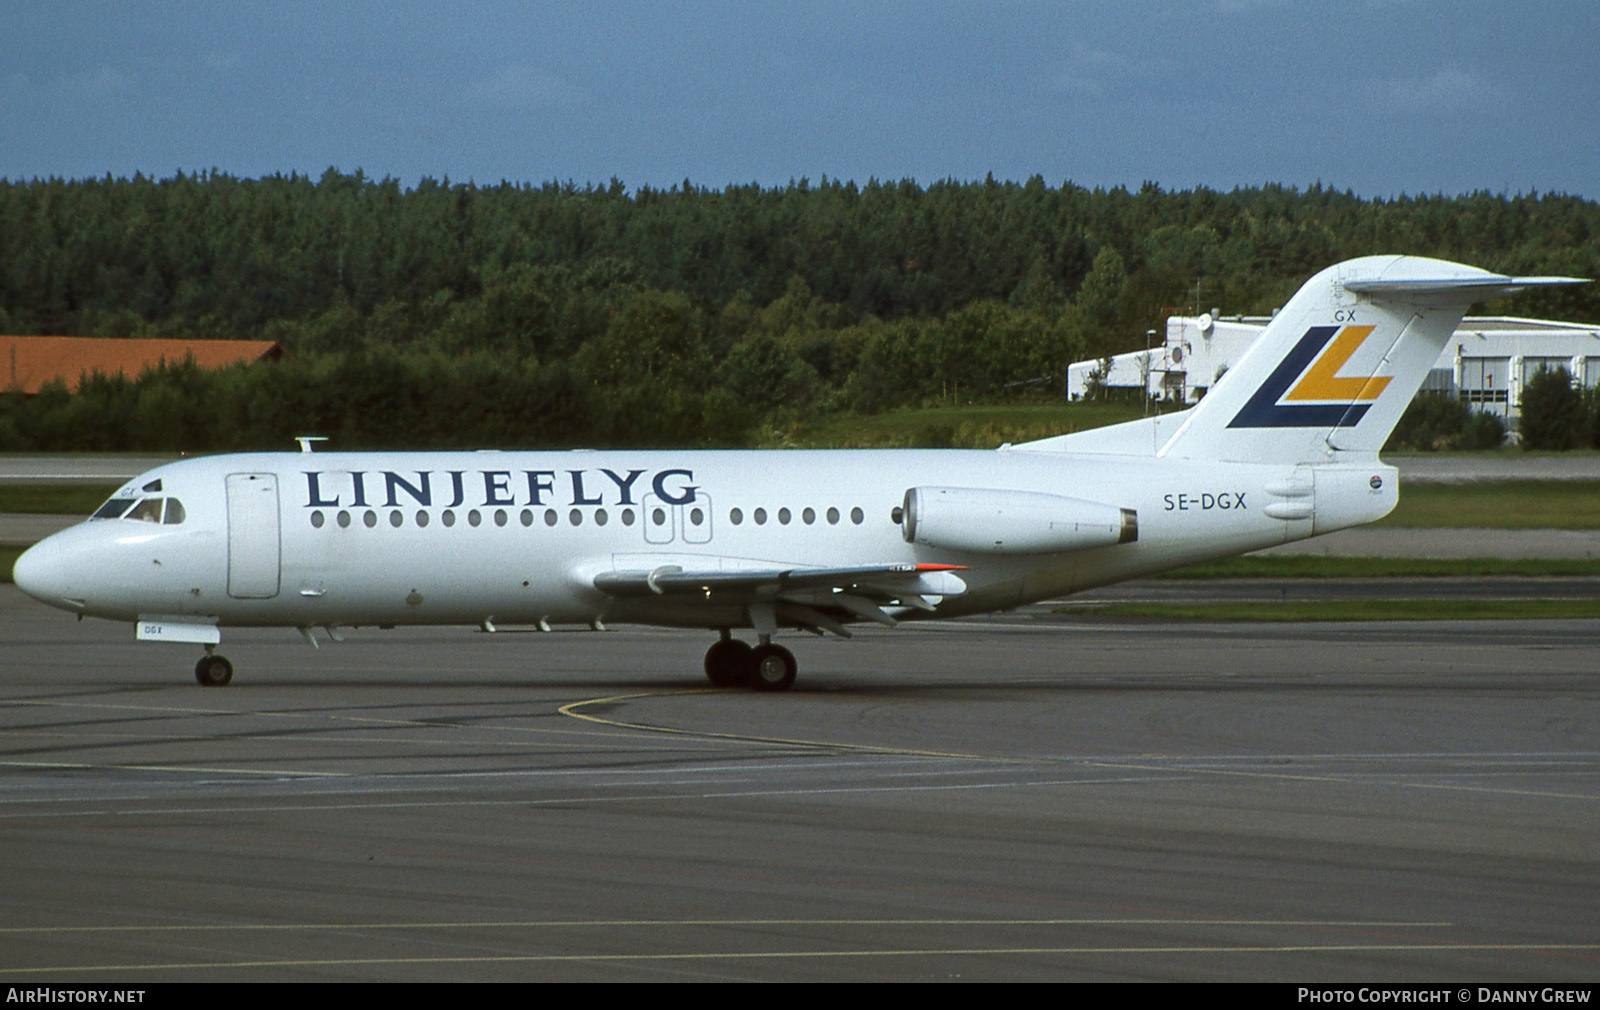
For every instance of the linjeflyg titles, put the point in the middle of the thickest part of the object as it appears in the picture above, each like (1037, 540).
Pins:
(453, 488)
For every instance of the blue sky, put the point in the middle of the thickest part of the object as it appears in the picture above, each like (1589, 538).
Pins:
(1378, 96)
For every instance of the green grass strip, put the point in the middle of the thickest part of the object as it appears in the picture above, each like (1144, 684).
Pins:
(1351, 610)
(1511, 504)
(55, 499)
(1307, 566)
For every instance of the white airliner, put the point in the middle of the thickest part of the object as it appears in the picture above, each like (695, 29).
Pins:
(1284, 447)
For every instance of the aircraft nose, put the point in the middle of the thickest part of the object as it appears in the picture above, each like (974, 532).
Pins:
(41, 572)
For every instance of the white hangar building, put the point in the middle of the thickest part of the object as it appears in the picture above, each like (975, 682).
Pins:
(1486, 364)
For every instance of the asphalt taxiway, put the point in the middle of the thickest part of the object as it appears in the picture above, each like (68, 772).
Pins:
(1024, 797)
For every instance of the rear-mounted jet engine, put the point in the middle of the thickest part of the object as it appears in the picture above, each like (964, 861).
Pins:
(1011, 522)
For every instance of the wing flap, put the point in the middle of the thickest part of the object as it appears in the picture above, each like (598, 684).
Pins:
(769, 583)
(815, 599)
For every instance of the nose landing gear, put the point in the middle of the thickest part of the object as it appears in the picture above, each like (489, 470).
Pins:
(213, 670)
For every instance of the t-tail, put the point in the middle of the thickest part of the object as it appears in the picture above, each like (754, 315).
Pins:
(1330, 376)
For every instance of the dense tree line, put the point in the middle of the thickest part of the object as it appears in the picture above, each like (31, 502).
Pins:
(560, 313)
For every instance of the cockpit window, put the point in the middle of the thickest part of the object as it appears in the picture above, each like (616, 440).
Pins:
(168, 511)
(113, 509)
(147, 511)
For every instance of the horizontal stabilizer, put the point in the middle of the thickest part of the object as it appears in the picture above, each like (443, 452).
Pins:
(1471, 289)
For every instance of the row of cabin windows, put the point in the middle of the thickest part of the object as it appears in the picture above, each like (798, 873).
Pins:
(500, 517)
(807, 515)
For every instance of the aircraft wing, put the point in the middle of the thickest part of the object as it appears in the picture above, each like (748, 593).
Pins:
(814, 598)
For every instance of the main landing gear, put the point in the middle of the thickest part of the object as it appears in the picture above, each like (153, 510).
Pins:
(213, 670)
(766, 667)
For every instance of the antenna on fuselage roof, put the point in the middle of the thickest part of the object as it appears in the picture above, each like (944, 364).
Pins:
(306, 440)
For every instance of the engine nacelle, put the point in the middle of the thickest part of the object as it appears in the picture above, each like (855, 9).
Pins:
(1011, 522)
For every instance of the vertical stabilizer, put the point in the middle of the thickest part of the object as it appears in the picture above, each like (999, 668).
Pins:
(1337, 366)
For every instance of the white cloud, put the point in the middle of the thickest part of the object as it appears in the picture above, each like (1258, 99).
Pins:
(100, 82)
(1095, 72)
(519, 86)
(1446, 90)
(1247, 6)
(221, 61)
(76, 90)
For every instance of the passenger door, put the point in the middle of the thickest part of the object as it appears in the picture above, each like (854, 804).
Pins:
(254, 550)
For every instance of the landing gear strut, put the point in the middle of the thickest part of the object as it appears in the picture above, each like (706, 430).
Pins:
(766, 667)
(213, 671)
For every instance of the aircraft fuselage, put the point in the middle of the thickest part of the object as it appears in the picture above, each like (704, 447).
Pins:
(518, 537)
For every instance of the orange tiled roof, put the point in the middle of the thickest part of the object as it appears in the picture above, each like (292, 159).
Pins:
(28, 363)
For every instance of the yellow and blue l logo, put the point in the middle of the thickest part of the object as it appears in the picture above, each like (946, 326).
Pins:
(1306, 390)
